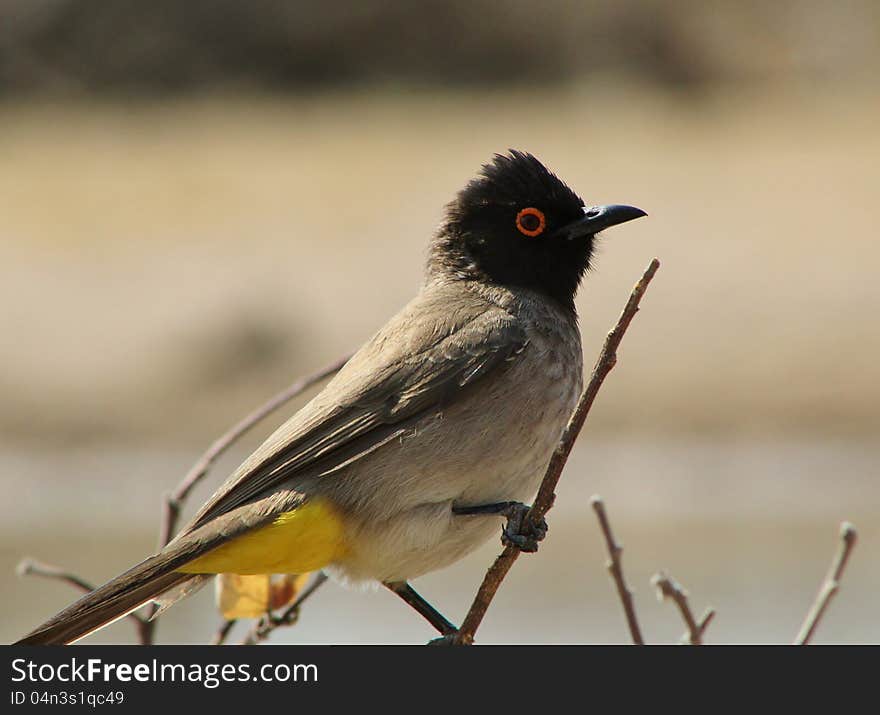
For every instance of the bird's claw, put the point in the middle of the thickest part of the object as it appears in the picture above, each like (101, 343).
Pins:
(520, 532)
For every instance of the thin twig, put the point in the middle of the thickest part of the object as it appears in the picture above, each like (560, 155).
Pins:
(32, 567)
(175, 500)
(266, 625)
(848, 536)
(544, 500)
(668, 587)
(223, 632)
(615, 568)
(705, 620)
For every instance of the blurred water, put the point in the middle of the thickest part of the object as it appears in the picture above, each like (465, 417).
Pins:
(747, 526)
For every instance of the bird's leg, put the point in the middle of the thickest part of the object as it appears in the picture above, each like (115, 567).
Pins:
(422, 607)
(518, 531)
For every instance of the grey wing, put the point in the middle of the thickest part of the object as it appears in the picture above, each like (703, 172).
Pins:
(408, 369)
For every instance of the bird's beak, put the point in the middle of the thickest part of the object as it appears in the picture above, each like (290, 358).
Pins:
(598, 218)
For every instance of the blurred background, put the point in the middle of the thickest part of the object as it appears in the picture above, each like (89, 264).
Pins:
(200, 202)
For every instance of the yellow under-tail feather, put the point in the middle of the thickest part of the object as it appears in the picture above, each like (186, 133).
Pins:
(296, 542)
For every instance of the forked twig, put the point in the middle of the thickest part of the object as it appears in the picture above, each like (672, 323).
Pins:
(544, 500)
(31, 567)
(668, 587)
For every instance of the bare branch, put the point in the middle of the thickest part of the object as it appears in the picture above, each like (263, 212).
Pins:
(266, 625)
(32, 567)
(223, 632)
(831, 585)
(668, 587)
(615, 568)
(546, 493)
(174, 501)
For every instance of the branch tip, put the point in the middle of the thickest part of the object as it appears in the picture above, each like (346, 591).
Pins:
(830, 586)
(668, 587)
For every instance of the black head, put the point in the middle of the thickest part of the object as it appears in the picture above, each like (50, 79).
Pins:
(517, 224)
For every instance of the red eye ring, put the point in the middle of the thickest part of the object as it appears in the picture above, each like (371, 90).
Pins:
(525, 222)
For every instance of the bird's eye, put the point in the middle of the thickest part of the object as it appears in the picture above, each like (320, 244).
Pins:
(531, 222)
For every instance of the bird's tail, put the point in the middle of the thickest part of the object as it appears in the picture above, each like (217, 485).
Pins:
(115, 599)
(154, 576)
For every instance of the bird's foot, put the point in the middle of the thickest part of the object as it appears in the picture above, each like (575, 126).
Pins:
(520, 532)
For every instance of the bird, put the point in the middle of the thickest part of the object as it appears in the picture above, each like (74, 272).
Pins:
(433, 433)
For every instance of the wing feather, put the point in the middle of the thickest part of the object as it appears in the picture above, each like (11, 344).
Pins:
(411, 367)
